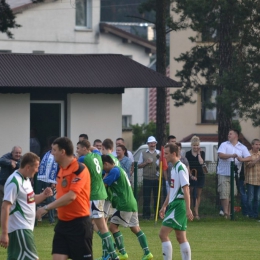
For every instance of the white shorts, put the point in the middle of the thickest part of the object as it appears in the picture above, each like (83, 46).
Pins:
(107, 207)
(125, 219)
(97, 208)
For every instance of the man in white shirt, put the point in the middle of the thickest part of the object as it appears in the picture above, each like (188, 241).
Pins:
(227, 152)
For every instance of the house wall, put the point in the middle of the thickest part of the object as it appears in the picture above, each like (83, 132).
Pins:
(185, 120)
(50, 27)
(15, 122)
(97, 115)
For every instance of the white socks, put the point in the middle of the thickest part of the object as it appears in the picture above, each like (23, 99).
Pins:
(185, 251)
(167, 250)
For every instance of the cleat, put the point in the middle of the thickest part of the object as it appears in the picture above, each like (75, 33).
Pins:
(123, 256)
(148, 257)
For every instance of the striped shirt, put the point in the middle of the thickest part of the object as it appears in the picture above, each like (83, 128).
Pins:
(252, 175)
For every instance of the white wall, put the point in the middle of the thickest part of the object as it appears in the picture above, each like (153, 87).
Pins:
(97, 115)
(15, 122)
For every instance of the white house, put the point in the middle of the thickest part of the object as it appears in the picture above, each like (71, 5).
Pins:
(64, 27)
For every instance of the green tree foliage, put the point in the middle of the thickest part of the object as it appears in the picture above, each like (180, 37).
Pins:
(142, 132)
(7, 19)
(228, 62)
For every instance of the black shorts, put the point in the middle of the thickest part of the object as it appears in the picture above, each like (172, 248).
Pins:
(74, 238)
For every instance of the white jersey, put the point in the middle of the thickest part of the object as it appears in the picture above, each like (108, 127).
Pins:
(19, 192)
(179, 178)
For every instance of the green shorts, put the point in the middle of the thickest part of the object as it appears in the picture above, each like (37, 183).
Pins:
(175, 216)
(21, 245)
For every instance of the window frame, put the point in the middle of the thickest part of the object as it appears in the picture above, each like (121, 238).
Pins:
(88, 16)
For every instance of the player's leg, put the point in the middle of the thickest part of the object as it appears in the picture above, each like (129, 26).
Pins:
(166, 243)
(184, 244)
(107, 241)
(134, 226)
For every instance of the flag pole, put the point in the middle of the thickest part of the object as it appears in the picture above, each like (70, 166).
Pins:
(159, 190)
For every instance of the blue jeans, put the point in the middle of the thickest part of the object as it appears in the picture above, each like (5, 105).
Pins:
(41, 185)
(243, 197)
(149, 186)
(253, 198)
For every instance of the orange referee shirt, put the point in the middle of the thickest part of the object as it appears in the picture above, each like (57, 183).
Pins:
(67, 181)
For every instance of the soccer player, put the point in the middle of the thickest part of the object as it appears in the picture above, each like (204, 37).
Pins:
(98, 195)
(18, 210)
(178, 202)
(125, 204)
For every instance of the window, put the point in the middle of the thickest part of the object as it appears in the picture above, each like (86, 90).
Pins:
(5, 51)
(208, 113)
(84, 14)
(126, 121)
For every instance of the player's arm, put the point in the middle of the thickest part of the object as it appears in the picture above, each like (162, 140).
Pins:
(164, 206)
(186, 192)
(44, 195)
(4, 239)
(60, 202)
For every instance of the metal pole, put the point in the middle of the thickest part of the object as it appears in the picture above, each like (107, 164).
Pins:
(135, 180)
(232, 169)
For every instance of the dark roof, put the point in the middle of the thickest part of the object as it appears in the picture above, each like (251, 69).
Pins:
(128, 37)
(78, 71)
(214, 138)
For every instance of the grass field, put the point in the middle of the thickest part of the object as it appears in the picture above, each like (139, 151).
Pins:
(211, 238)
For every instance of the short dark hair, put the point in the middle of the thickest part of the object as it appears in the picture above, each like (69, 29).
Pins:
(235, 130)
(171, 137)
(107, 158)
(29, 158)
(85, 136)
(84, 143)
(123, 148)
(51, 140)
(173, 148)
(108, 144)
(64, 143)
(120, 138)
(97, 141)
(255, 140)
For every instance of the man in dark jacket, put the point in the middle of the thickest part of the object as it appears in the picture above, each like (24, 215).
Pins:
(8, 163)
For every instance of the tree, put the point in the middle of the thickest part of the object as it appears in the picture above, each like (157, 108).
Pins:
(161, 7)
(228, 63)
(7, 19)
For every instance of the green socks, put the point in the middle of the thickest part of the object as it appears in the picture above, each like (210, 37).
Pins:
(143, 242)
(119, 242)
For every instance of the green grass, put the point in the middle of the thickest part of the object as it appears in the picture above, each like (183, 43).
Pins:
(210, 238)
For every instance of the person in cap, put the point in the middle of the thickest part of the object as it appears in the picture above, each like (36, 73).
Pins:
(148, 161)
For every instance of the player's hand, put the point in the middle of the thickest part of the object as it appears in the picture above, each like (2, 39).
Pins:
(48, 192)
(189, 214)
(162, 212)
(4, 240)
(40, 212)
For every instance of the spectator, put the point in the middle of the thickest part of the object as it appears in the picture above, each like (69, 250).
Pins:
(83, 137)
(149, 162)
(8, 163)
(35, 146)
(46, 177)
(228, 151)
(196, 159)
(98, 144)
(252, 180)
(124, 160)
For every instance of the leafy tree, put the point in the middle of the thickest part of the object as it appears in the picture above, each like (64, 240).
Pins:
(7, 19)
(142, 132)
(229, 61)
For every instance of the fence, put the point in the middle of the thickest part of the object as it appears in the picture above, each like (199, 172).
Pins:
(210, 203)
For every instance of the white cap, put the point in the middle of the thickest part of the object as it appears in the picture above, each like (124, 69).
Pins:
(151, 139)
